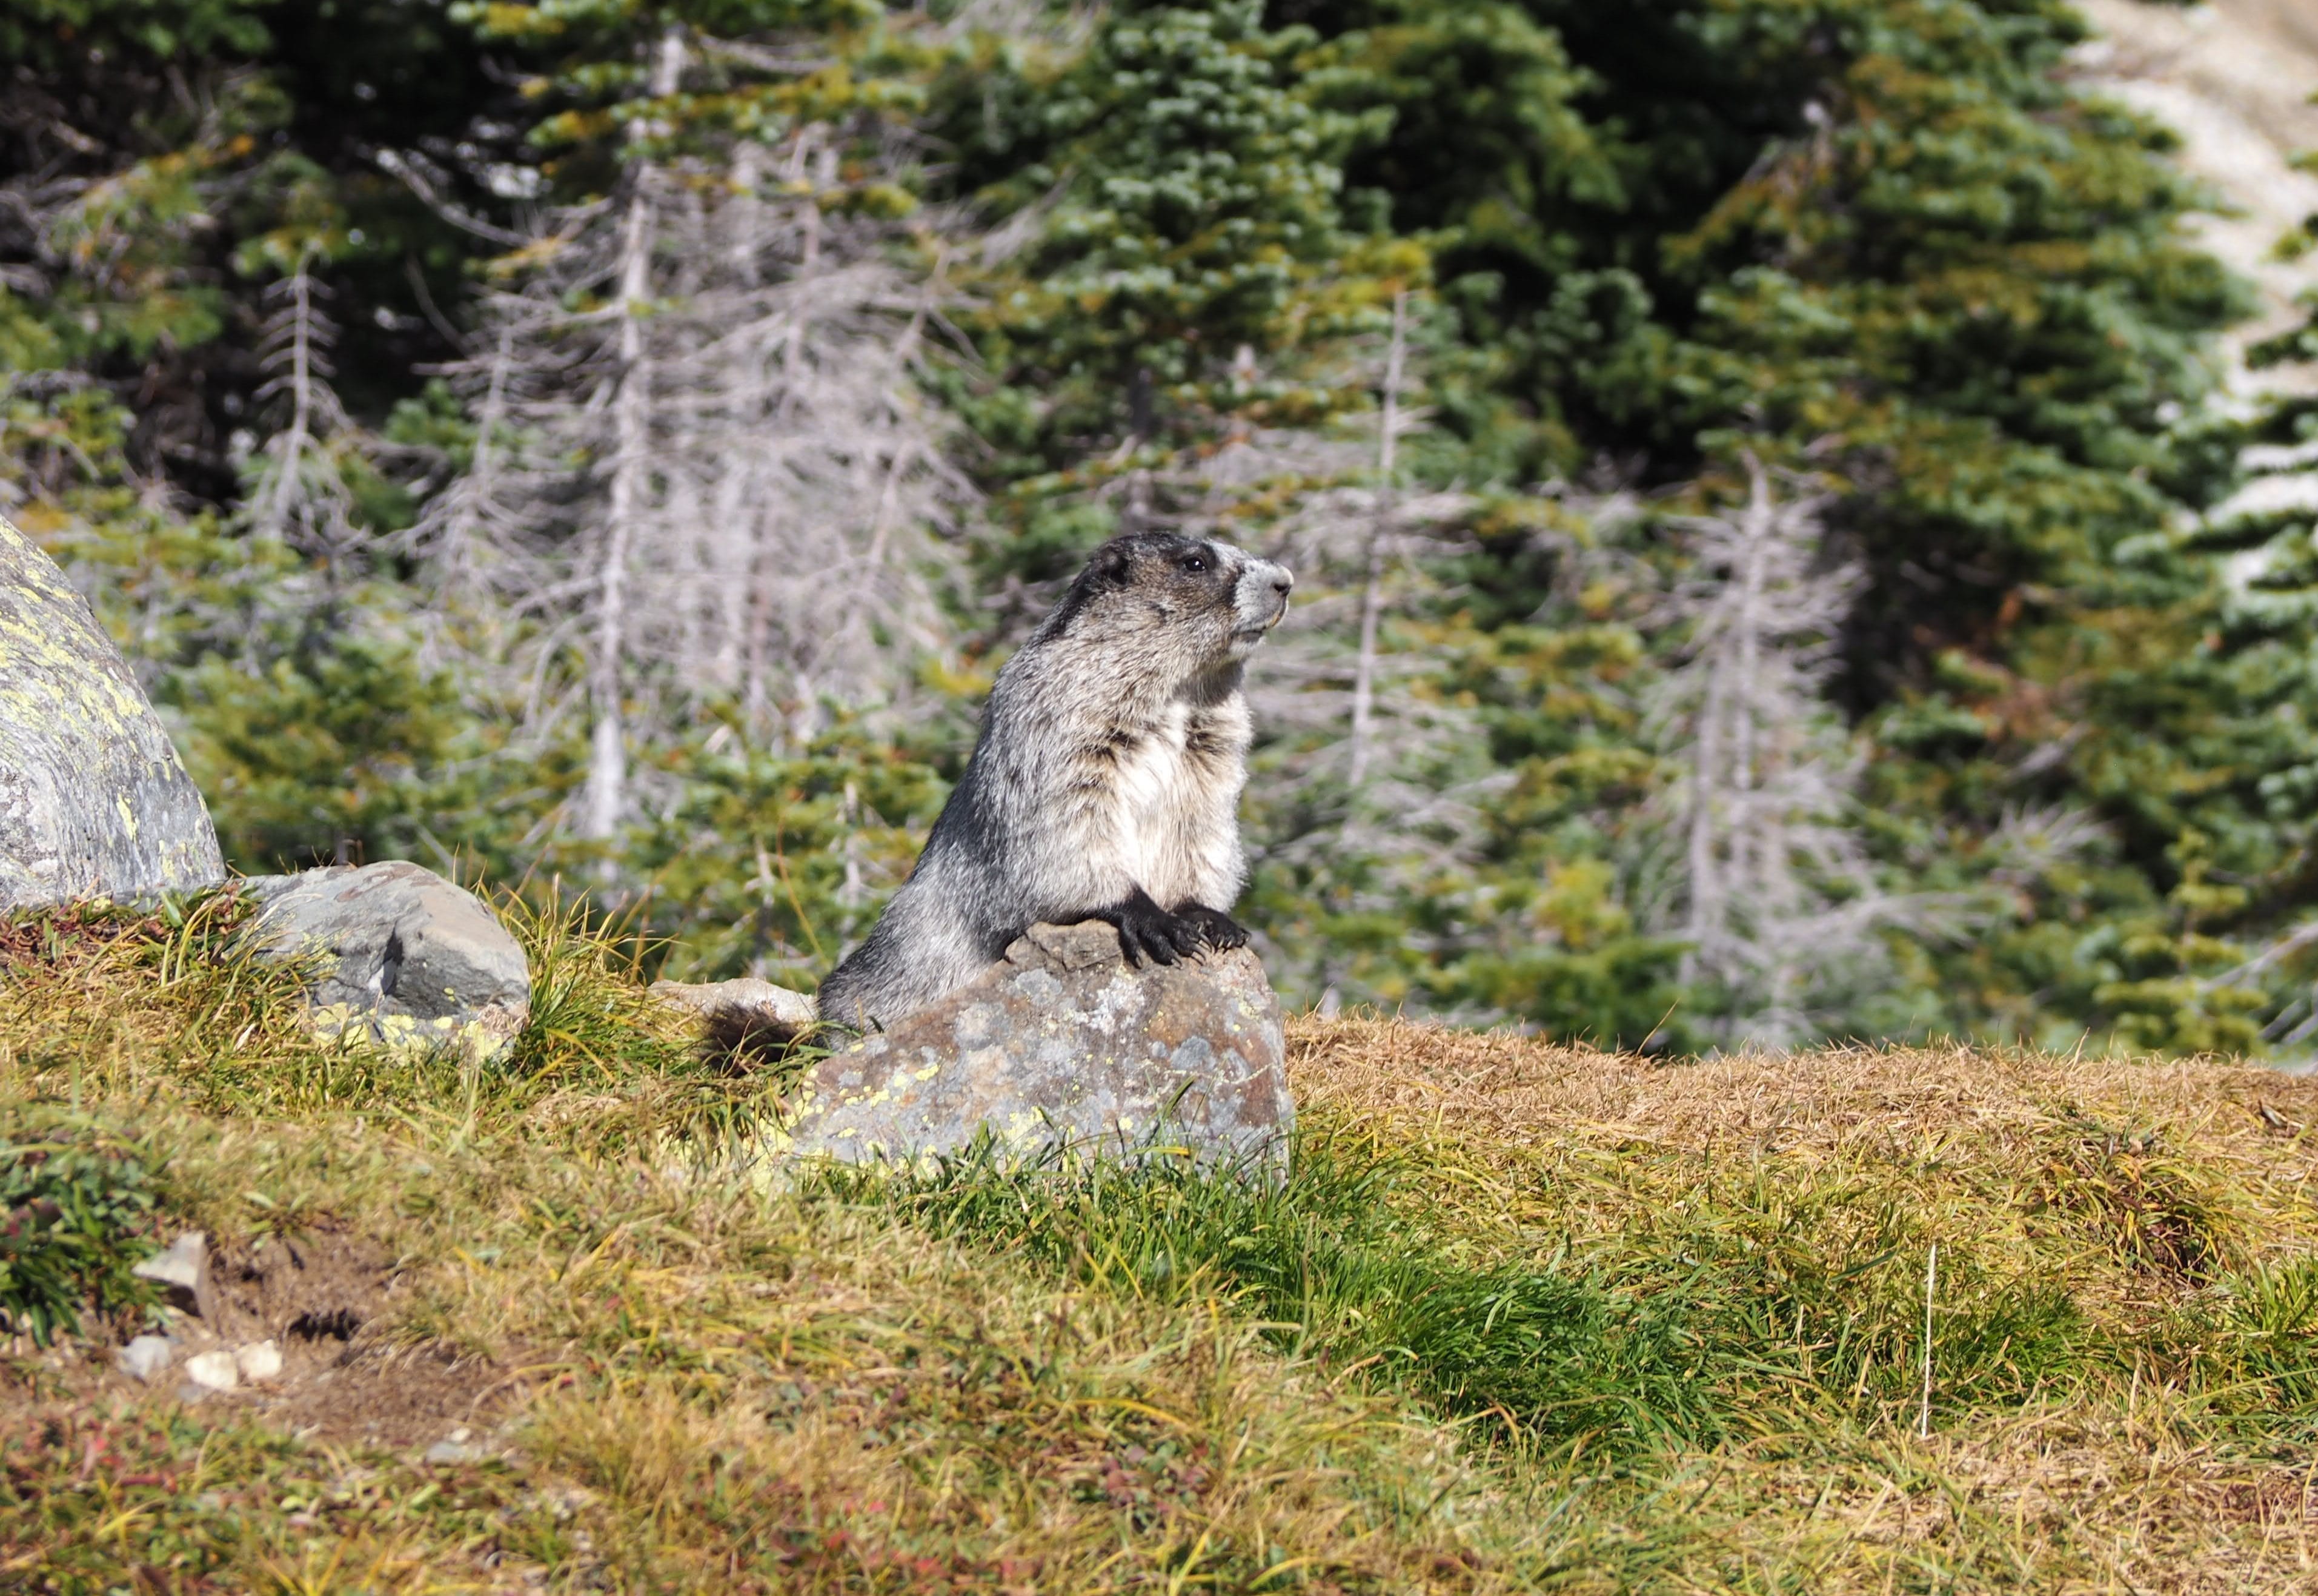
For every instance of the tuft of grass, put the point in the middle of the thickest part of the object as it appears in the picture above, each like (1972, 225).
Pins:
(604, 1060)
(75, 1215)
(591, 1022)
(2153, 1212)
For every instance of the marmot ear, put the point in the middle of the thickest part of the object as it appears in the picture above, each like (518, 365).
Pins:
(1111, 565)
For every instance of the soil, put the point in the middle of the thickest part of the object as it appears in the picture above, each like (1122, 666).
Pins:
(321, 1296)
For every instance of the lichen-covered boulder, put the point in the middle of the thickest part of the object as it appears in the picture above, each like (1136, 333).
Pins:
(398, 953)
(94, 803)
(1061, 1045)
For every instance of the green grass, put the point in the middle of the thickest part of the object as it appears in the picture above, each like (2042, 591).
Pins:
(1346, 1264)
(1519, 1319)
(1770, 1304)
(75, 1216)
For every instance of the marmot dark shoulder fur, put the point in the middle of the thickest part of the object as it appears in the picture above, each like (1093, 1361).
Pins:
(1105, 784)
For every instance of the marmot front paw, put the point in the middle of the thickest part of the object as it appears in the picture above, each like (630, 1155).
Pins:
(1149, 934)
(1216, 930)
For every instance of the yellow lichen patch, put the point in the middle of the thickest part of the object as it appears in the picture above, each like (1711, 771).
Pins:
(472, 1040)
(116, 814)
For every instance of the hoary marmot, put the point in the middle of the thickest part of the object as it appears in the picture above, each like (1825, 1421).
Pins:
(1105, 784)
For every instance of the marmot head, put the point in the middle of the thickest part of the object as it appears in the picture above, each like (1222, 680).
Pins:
(1184, 602)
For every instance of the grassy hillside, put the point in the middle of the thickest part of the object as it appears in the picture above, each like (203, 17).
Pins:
(1525, 1317)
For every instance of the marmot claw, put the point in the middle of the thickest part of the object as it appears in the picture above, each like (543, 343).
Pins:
(1216, 930)
(1149, 934)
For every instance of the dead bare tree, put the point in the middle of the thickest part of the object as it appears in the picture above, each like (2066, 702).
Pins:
(296, 490)
(817, 584)
(606, 801)
(704, 472)
(1372, 593)
(1774, 895)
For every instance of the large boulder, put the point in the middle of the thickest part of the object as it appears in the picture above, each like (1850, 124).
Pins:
(1061, 1045)
(398, 953)
(94, 803)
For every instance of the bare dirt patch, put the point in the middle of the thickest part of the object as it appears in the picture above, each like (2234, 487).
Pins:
(313, 1293)
(389, 1397)
(322, 1297)
(319, 1297)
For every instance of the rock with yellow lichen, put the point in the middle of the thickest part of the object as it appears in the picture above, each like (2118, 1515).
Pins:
(398, 955)
(1061, 1045)
(93, 801)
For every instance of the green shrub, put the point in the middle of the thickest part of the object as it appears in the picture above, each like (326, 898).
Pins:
(78, 1211)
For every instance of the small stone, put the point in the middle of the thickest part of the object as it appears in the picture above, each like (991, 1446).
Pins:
(146, 1357)
(213, 1371)
(744, 1012)
(184, 1270)
(453, 1452)
(259, 1360)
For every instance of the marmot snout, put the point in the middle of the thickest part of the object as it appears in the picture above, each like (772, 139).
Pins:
(1105, 784)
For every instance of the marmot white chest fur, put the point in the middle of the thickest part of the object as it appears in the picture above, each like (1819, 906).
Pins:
(1105, 784)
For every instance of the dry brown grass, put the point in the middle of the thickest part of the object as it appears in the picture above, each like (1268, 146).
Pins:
(1504, 1098)
(2134, 1185)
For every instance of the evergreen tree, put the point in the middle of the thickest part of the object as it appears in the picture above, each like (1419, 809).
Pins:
(170, 403)
(525, 432)
(1890, 234)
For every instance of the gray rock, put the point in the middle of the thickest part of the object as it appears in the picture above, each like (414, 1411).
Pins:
(94, 803)
(146, 1356)
(1061, 1045)
(399, 952)
(183, 1272)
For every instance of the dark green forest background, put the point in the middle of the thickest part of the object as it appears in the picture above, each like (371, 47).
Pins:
(292, 293)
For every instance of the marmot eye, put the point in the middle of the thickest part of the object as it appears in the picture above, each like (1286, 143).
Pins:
(1195, 562)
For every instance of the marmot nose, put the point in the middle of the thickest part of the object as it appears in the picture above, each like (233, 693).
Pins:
(1282, 582)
